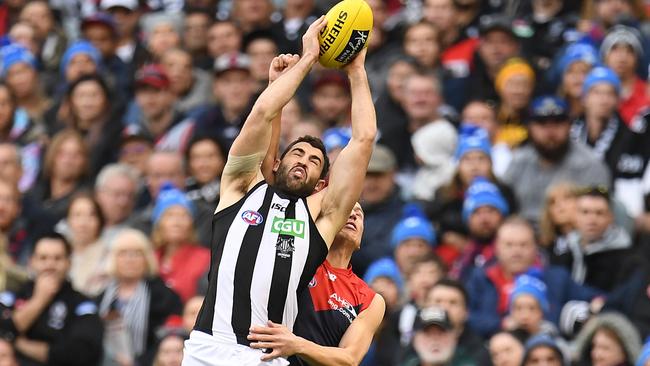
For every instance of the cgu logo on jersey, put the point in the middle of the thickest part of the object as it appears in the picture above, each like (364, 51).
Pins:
(289, 227)
(252, 217)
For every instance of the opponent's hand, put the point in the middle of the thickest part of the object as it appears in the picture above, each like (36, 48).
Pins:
(281, 64)
(310, 42)
(277, 337)
(358, 63)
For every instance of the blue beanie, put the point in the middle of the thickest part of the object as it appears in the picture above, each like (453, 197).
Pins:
(413, 227)
(530, 285)
(599, 75)
(481, 193)
(579, 51)
(336, 137)
(472, 138)
(644, 356)
(384, 267)
(15, 54)
(167, 197)
(80, 47)
(542, 340)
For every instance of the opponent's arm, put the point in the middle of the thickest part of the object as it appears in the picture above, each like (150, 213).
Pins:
(349, 171)
(252, 143)
(351, 349)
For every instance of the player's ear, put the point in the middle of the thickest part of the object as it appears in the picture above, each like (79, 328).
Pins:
(276, 165)
(320, 185)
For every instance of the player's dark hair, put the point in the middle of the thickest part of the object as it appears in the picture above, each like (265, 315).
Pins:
(315, 142)
(53, 235)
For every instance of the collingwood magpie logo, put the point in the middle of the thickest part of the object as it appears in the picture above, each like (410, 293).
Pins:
(284, 247)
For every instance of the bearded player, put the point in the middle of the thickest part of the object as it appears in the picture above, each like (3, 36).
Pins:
(268, 240)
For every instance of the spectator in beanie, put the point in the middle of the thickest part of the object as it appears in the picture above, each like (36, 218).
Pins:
(161, 32)
(413, 239)
(80, 58)
(384, 277)
(608, 339)
(136, 302)
(434, 146)
(382, 205)
(205, 159)
(335, 139)
(543, 350)
(505, 349)
(484, 209)
(621, 148)
(234, 88)
(574, 64)
(514, 83)
(190, 85)
(594, 253)
(621, 51)
(331, 99)
(224, 37)
(551, 157)
(558, 215)
(182, 261)
(516, 253)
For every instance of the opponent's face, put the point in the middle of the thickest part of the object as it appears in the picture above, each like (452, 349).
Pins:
(353, 229)
(299, 170)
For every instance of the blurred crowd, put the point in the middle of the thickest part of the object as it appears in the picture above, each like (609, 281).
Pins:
(507, 201)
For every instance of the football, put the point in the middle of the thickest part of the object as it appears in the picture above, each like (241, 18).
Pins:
(347, 32)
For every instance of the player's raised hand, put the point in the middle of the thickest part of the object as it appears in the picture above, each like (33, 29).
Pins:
(276, 337)
(358, 63)
(280, 65)
(310, 42)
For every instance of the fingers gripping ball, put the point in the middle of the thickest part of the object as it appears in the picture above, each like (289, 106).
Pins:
(348, 28)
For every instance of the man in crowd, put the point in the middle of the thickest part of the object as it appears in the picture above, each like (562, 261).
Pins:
(49, 322)
(116, 188)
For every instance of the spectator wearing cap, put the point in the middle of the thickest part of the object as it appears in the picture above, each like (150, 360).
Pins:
(622, 50)
(484, 209)
(161, 31)
(136, 302)
(136, 145)
(621, 148)
(335, 139)
(195, 36)
(260, 47)
(542, 349)
(515, 253)
(20, 72)
(181, 260)
(233, 88)
(190, 85)
(550, 157)
(126, 14)
(168, 127)
(331, 99)
(473, 160)
(497, 44)
(435, 342)
(595, 252)
(382, 205)
(574, 64)
(607, 339)
(50, 37)
(100, 30)
(413, 239)
(434, 146)
(514, 84)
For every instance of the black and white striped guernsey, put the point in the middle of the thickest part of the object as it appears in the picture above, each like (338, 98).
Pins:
(265, 250)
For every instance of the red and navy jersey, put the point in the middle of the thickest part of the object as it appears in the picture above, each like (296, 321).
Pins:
(335, 298)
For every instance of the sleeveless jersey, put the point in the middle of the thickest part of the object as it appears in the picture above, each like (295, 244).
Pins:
(265, 250)
(335, 298)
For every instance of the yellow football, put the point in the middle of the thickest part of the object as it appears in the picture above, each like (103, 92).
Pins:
(348, 28)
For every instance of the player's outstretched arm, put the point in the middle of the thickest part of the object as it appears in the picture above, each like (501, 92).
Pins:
(349, 171)
(351, 350)
(242, 169)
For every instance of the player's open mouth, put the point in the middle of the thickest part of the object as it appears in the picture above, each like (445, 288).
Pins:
(299, 171)
(351, 225)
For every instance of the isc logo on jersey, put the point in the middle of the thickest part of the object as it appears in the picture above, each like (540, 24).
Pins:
(290, 227)
(252, 217)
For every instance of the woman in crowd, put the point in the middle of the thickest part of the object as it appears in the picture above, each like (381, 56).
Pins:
(608, 339)
(574, 65)
(85, 223)
(65, 170)
(182, 261)
(514, 83)
(136, 302)
(558, 213)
